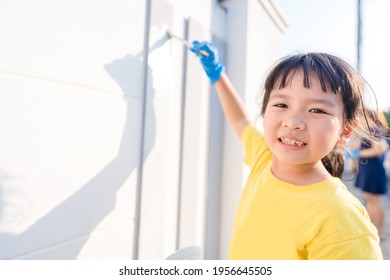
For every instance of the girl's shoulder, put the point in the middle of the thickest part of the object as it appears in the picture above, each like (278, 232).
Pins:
(255, 147)
(342, 204)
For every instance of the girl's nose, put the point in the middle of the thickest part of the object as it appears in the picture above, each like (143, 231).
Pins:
(294, 122)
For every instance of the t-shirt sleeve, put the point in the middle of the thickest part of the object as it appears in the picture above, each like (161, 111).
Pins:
(365, 247)
(255, 148)
(347, 235)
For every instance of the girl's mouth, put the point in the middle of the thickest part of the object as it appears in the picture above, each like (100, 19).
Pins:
(292, 142)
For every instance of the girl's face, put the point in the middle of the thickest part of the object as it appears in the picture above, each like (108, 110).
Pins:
(302, 125)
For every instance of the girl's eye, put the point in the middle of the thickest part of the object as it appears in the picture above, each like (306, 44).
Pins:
(317, 111)
(280, 105)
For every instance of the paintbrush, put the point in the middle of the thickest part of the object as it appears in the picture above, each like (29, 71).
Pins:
(185, 42)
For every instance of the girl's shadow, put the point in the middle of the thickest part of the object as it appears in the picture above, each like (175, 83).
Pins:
(64, 230)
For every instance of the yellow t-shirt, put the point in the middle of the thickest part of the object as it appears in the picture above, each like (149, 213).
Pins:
(278, 220)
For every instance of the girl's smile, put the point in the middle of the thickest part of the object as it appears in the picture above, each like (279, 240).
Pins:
(292, 143)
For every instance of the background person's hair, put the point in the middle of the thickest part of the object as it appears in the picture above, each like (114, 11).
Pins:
(335, 75)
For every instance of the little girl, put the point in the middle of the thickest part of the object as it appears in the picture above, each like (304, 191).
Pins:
(294, 205)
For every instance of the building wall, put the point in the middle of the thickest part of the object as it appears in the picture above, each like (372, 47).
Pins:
(114, 144)
(71, 82)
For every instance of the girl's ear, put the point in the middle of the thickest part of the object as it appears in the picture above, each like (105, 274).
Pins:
(347, 132)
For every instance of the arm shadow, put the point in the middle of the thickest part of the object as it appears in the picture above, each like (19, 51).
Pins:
(81, 213)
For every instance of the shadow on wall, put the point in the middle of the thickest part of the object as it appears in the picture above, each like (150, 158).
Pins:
(79, 214)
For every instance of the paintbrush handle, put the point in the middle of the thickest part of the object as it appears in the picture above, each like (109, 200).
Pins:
(204, 52)
(186, 43)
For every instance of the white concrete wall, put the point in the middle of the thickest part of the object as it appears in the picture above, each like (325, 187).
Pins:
(71, 76)
(107, 152)
(175, 176)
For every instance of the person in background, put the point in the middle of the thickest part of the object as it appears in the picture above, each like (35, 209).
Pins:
(294, 205)
(371, 174)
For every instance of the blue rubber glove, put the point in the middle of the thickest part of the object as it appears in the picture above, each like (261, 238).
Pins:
(355, 153)
(212, 64)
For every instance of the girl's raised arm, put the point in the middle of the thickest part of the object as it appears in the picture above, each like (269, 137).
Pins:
(231, 102)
